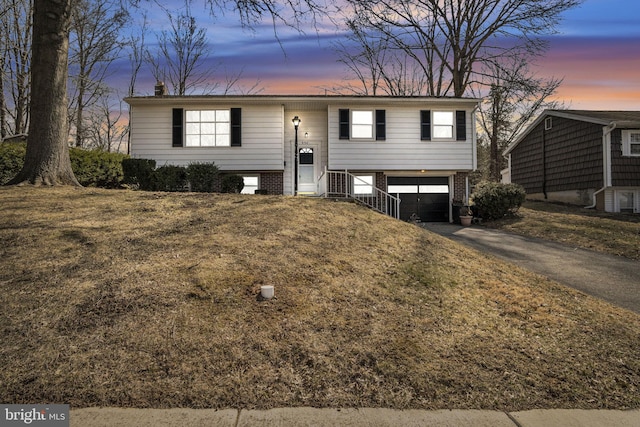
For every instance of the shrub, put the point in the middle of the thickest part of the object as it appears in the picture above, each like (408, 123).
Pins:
(232, 184)
(495, 200)
(140, 173)
(91, 168)
(11, 160)
(97, 168)
(202, 176)
(171, 178)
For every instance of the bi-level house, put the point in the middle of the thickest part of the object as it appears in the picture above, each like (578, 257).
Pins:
(580, 157)
(405, 156)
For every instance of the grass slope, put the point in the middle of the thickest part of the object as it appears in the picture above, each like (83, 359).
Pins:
(119, 298)
(615, 234)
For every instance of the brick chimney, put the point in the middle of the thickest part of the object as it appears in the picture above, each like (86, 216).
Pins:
(160, 88)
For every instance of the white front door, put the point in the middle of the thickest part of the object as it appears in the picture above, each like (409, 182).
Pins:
(307, 173)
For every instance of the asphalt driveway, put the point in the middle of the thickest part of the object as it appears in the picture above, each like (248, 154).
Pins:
(613, 279)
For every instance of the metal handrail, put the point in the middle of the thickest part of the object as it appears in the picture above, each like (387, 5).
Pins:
(341, 184)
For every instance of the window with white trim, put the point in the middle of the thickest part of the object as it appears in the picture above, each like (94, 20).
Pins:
(362, 124)
(625, 199)
(251, 184)
(363, 185)
(443, 124)
(631, 142)
(208, 128)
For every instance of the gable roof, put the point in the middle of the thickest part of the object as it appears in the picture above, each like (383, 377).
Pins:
(621, 119)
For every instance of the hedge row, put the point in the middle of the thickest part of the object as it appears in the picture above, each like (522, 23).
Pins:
(198, 177)
(91, 168)
(113, 170)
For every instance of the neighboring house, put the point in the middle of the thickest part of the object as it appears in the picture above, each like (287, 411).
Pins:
(371, 148)
(581, 157)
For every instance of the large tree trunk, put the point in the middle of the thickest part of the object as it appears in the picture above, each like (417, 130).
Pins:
(47, 158)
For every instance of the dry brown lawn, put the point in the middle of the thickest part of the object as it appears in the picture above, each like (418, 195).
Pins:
(615, 234)
(133, 299)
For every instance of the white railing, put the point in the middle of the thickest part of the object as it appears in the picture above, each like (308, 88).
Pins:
(343, 184)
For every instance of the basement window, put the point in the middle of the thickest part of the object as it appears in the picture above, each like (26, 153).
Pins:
(363, 185)
(251, 183)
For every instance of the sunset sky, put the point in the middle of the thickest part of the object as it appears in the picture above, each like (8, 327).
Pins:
(597, 53)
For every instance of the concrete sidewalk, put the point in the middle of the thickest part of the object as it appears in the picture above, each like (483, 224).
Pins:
(613, 279)
(366, 417)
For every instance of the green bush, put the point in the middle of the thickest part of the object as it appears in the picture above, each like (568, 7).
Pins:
(232, 184)
(495, 200)
(11, 160)
(140, 173)
(91, 168)
(171, 178)
(202, 177)
(97, 168)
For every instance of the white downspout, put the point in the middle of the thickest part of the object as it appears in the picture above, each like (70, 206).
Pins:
(606, 161)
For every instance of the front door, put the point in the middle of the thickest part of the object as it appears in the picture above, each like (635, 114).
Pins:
(307, 159)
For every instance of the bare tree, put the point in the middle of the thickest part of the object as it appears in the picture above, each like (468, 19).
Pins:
(514, 99)
(16, 37)
(451, 40)
(106, 129)
(181, 50)
(95, 44)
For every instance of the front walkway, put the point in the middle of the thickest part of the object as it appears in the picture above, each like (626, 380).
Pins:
(364, 417)
(613, 279)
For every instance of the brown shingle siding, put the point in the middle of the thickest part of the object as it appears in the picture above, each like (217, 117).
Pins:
(526, 162)
(573, 157)
(625, 170)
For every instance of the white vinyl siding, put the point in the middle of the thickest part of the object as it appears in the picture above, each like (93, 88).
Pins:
(403, 148)
(262, 139)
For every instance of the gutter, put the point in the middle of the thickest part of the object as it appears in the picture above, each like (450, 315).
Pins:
(606, 158)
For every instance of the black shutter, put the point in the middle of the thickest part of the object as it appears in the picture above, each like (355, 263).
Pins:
(236, 127)
(178, 114)
(381, 125)
(344, 124)
(425, 125)
(461, 125)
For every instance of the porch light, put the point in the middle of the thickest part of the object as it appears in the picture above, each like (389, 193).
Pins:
(296, 122)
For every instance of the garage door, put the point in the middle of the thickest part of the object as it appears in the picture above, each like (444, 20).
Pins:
(427, 197)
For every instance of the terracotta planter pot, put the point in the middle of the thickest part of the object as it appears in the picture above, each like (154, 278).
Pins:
(465, 220)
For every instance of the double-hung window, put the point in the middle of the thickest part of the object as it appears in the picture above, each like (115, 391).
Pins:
(362, 124)
(631, 142)
(443, 124)
(208, 128)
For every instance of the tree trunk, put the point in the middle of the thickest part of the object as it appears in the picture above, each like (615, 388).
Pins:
(47, 159)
